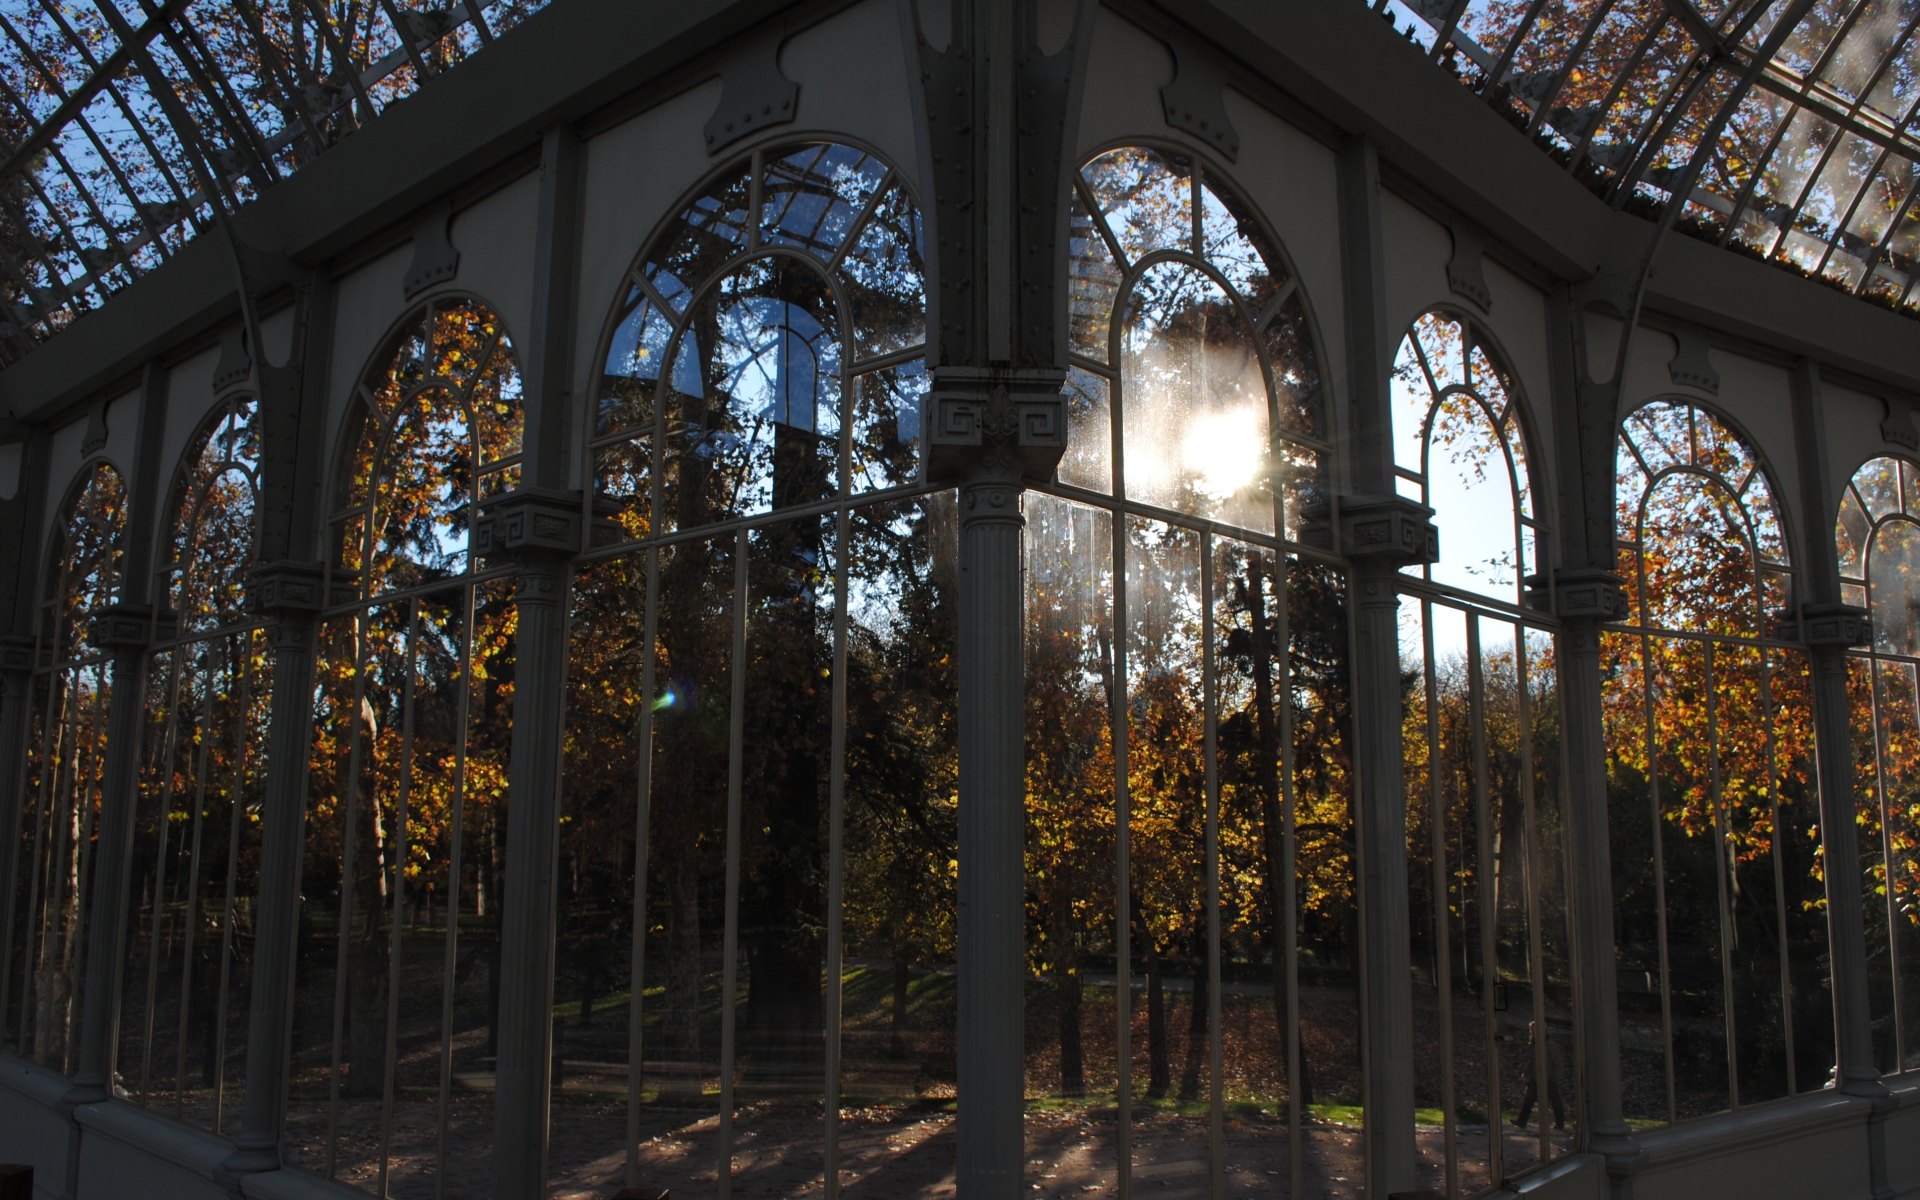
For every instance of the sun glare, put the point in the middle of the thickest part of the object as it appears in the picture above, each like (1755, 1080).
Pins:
(1224, 451)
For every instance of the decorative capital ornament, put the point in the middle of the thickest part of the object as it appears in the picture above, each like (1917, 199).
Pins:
(996, 424)
(1824, 626)
(16, 654)
(124, 628)
(540, 523)
(287, 588)
(1389, 530)
(1580, 593)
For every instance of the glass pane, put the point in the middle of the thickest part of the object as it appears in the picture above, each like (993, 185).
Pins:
(886, 429)
(1260, 996)
(1093, 280)
(678, 1142)
(1145, 198)
(1072, 1069)
(1637, 853)
(1088, 462)
(1195, 403)
(1797, 853)
(1327, 964)
(761, 430)
(813, 195)
(1172, 1079)
(886, 279)
(899, 998)
(1691, 846)
(635, 357)
(709, 232)
(779, 1127)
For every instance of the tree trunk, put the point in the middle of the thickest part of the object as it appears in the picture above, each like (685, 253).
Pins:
(367, 1007)
(1160, 1072)
(1198, 1012)
(1073, 1072)
(682, 1016)
(901, 978)
(1279, 870)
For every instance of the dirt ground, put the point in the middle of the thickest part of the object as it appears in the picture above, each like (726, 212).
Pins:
(885, 1153)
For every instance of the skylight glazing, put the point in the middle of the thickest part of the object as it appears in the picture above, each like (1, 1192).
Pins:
(1806, 108)
(127, 126)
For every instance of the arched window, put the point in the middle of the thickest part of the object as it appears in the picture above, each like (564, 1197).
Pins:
(1487, 875)
(83, 562)
(1460, 447)
(761, 693)
(1714, 812)
(433, 432)
(1187, 753)
(196, 858)
(775, 325)
(413, 721)
(1189, 324)
(1878, 538)
(213, 509)
(67, 750)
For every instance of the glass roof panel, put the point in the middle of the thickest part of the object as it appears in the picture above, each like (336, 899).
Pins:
(127, 126)
(1799, 115)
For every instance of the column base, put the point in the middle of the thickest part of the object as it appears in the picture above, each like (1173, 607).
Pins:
(245, 1161)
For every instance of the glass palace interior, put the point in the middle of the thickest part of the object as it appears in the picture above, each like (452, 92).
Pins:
(887, 599)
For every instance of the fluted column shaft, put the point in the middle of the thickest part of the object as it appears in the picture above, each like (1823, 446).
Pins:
(113, 861)
(283, 826)
(524, 1068)
(1384, 923)
(14, 712)
(1590, 886)
(1840, 859)
(992, 844)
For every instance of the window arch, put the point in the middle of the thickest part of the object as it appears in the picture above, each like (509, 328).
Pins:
(761, 696)
(433, 431)
(83, 561)
(70, 694)
(769, 349)
(1877, 536)
(413, 715)
(1715, 811)
(1188, 321)
(1486, 849)
(1460, 447)
(1188, 745)
(214, 520)
(196, 856)
(1702, 544)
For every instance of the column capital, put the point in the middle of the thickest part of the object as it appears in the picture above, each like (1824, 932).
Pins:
(1824, 626)
(529, 525)
(17, 654)
(996, 424)
(125, 628)
(1580, 594)
(287, 588)
(1384, 531)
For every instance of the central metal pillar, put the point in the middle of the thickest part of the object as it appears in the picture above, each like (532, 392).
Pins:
(1381, 534)
(125, 630)
(992, 934)
(1583, 599)
(997, 134)
(1829, 628)
(524, 1068)
(291, 592)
